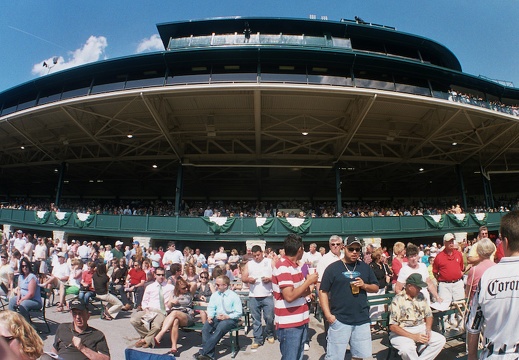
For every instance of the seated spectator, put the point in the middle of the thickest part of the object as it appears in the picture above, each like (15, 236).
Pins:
(176, 272)
(191, 277)
(20, 336)
(78, 340)
(101, 280)
(27, 295)
(119, 275)
(148, 321)
(223, 314)
(6, 275)
(58, 279)
(87, 288)
(136, 282)
(182, 314)
(410, 323)
(74, 280)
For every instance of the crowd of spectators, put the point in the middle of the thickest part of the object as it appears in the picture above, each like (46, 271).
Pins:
(479, 101)
(282, 208)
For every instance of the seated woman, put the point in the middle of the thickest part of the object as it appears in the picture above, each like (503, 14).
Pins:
(203, 293)
(190, 276)
(6, 275)
(74, 281)
(27, 294)
(87, 289)
(119, 275)
(181, 314)
(101, 281)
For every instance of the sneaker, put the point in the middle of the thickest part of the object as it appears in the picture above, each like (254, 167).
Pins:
(307, 347)
(255, 345)
(271, 340)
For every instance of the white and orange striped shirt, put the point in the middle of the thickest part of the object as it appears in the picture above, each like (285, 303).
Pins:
(288, 314)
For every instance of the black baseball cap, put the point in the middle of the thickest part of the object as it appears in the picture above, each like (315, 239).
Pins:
(352, 240)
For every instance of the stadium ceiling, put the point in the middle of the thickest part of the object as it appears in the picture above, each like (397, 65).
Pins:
(245, 141)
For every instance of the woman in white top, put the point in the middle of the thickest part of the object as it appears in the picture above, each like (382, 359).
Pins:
(6, 275)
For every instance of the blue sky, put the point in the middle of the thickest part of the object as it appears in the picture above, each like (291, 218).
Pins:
(482, 34)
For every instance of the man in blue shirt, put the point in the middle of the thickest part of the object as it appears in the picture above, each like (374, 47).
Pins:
(223, 314)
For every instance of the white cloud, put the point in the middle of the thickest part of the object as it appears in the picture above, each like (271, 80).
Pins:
(91, 51)
(153, 43)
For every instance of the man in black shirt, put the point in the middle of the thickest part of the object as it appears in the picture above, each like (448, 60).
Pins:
(78, 340)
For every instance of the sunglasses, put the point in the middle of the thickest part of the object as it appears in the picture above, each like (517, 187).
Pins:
(338, 244)
(354, 249)
(24, 266)
(185, 288)
(204, 277)
(159, 274)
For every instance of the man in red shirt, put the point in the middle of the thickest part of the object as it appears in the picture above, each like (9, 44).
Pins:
(448, 270)
(136, 282)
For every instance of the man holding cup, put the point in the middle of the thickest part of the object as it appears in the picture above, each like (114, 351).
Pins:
(344, 301)
(410, 323)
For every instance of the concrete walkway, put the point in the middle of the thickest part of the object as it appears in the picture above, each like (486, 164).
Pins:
(121, 335)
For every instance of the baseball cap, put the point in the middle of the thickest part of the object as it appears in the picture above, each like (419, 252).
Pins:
(136, 243)
(20, 232)
(61, 254)
(77, 304)
(416, 279)
(118, 242)
(448, 237)
(351, 240)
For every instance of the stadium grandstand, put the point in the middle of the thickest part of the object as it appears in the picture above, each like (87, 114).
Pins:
(262, 110)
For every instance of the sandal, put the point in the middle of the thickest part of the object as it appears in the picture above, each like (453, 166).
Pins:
(157, 343)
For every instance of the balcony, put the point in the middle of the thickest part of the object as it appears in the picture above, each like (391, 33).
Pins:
(241, 229)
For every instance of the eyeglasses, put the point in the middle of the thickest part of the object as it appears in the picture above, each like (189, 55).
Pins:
(8, 339)
(354, 249)
(336, 244)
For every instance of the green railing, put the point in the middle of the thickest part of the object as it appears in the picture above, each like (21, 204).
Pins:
(195, 228)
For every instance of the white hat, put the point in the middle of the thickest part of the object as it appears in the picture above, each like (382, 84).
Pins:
(118, 242)
(61, 254)
(20, 232)
(448, 237)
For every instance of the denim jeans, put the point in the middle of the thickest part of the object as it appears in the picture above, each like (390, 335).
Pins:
(340, 335)
(85, 296)
(24, 306)
(256, 306)
(292, 342)
(213, 332)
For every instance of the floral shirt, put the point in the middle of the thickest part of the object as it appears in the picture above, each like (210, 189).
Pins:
(406, 311)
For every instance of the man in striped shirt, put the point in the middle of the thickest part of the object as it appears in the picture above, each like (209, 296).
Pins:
(290, 288)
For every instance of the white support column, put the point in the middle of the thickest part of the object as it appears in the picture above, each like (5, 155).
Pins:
(6, 230)
(62, 235)
(143, 241)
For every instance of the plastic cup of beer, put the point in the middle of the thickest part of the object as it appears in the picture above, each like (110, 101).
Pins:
(354, 288)
(311, 270)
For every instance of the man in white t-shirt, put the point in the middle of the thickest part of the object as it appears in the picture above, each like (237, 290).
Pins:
(221, 257)
(199, 257)
(331, 256)
(258, 274)
(313, 256)
(495, 308)
(59, 277)
(413, 266)
(19, 241)
(172, 256)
